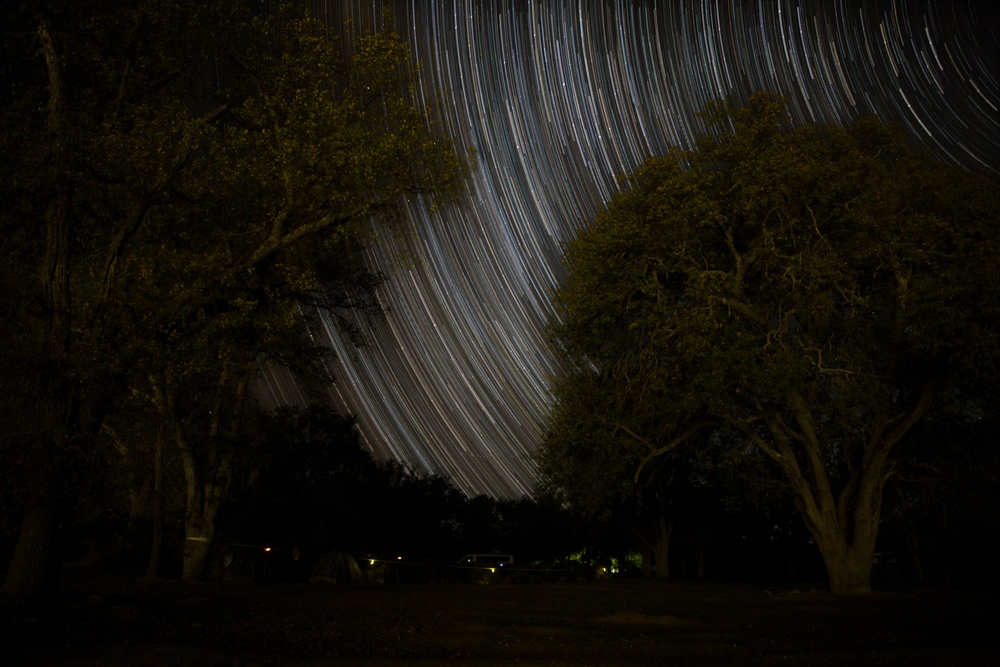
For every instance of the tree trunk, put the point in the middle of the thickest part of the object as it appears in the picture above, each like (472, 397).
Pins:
(664, 529)
(203, 504)
(918, 563)
(157, 508)
(845, 525)
(32, 573)
(139, 497)
(848, 551)
(30, 577)
(199, 534)
(207, 473)
(850, 571)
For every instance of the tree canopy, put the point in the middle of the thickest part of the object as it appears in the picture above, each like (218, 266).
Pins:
(185, 182)
(803, 293)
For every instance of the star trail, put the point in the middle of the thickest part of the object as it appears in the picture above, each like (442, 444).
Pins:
(559, 99)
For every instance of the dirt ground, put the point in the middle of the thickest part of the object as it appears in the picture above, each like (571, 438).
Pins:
(117, 622)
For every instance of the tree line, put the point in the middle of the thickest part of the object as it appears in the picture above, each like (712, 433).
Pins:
(185, 184)
(304, 488)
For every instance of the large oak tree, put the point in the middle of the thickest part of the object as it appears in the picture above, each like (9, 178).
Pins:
(803, 293)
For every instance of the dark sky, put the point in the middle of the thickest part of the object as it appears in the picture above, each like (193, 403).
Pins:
(559, 99)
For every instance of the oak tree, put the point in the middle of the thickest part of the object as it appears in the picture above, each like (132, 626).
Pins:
(801, 292)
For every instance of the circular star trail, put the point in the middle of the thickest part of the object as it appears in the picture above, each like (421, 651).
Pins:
(559, 99)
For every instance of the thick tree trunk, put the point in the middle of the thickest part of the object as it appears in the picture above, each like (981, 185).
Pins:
(201, 496)
(845, 525)
(30, 578)
(32, 573)
(199, 535)
(207, 474)
(850, 571)
(203, 504)
(153, 566)
(664, 528)
(848, 550)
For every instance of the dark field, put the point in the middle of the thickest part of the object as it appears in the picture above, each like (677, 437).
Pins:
(115, 622)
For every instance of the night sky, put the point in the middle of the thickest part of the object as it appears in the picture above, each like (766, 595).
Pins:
(559, 99)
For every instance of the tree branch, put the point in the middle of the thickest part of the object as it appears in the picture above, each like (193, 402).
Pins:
(899, 426)
(660, 451)
(811, 445)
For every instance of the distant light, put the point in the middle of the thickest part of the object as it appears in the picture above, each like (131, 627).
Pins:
(399, 558)
(267, 548)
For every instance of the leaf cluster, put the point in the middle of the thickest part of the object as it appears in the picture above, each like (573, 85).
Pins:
(219, 166)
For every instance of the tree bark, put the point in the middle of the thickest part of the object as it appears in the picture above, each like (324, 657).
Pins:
(153, 566)
(199, 530)
(847, 540)
(30, 577)
(846, 526)
(664, 529)
(849, 570)
(32, 574)
(203, 500)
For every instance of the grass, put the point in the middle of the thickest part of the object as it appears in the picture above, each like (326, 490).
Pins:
(102, 621)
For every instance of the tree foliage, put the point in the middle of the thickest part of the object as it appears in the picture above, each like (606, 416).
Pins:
(187, 181)
(805, 291)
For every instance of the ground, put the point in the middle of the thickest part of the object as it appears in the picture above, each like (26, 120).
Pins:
(109, 621)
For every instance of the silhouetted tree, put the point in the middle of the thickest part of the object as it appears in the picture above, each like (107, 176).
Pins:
(803, 292)
(181, 177)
